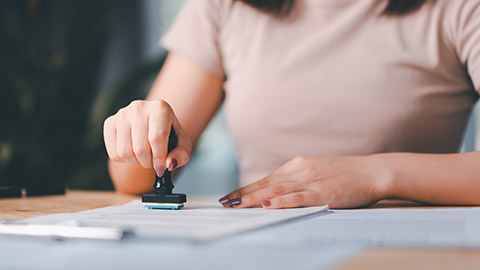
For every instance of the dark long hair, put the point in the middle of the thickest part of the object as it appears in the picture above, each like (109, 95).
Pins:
(282, 8)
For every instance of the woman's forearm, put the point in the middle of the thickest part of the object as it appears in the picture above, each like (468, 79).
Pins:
(430, 178)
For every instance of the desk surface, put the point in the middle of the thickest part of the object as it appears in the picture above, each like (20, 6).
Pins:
(379, 258)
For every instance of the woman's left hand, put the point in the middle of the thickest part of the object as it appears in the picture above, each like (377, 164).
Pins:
(340, 182)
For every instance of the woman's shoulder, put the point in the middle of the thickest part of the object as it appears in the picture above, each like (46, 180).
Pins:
(458, 16)
(455, 4)
(457, 9)
(462, 26)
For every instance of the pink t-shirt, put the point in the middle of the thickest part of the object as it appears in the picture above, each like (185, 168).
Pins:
(336, 78)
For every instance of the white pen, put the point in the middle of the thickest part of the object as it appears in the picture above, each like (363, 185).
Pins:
(62, 231)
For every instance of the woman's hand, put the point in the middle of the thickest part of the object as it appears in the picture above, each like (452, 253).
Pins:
(343, 182)
(138, 134)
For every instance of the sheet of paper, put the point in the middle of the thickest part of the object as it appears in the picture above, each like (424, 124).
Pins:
(442, 228)
(41, 254)
(194, 222)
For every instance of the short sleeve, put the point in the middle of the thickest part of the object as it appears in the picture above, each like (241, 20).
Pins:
(468, 38)
(194, 34)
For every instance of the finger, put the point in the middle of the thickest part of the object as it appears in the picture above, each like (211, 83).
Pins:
(256, 197)
(140, 144)
(258, 185)
(297, 199)
(181, 154)
(110, 138)
(158, 132)
(266, 182)
(124, 144)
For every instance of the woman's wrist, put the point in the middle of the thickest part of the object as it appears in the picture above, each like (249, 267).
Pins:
(383, 175)
(372, 170)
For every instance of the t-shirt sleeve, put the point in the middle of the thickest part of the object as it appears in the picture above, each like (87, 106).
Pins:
(468, 39)
(194, 35)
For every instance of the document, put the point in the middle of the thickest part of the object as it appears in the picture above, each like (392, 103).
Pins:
(432, 228)
(41, 254)
(316, 238)
(194, 222)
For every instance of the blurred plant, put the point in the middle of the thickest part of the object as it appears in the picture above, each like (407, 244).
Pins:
(51, 112)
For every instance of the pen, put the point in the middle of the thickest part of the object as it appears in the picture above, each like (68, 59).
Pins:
(62, 231)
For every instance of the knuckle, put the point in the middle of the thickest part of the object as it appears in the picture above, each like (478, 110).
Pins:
(184, 155)
(247, 199)
(280, 201)
(264, 183)
(124, 153)
(159, 102)
(141, 149)
(162, 105)
(278, 190)
(122, 116)
(298, 198)
(108, 122)
(136, 103)
(299, 160)
(115, 157)
(295, 162)
(136, 107)
(121, 112)
(298, 164)
(158, 137)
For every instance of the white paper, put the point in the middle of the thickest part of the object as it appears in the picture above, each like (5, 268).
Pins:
(442, 228)
(194, 222)
(41, 254)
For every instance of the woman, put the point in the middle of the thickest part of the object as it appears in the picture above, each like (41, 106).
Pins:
(339, 102)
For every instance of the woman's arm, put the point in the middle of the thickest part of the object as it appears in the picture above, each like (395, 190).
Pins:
(450, 179)
(350, 182)
(184, 96)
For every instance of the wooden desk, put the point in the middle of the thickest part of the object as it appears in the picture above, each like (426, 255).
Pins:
(73, 201)
(378, 258)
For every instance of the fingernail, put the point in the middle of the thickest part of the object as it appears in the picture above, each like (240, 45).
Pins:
(236, 201)
(223, 200)
(160, 170)
(173, 164)
(266, 203)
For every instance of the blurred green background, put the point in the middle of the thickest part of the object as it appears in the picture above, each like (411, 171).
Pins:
(65, 67)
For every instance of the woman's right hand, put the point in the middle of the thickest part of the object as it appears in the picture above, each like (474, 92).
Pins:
(139, 133)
